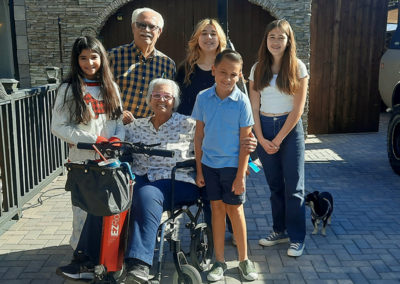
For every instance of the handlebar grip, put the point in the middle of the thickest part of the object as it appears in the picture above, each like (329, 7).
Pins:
(85, 146)
(186, 164)
(161, 153)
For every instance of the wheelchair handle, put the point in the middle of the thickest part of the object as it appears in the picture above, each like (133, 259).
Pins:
(159, 152)
(186, 164)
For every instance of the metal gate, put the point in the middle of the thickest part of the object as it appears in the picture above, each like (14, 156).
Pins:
(30, 156)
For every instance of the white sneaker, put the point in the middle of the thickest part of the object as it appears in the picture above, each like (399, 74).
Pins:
(296, 249)
(248, 270)
(273, 239)
(217, 271)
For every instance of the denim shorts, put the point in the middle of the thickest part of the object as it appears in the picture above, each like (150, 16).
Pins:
(219, 185)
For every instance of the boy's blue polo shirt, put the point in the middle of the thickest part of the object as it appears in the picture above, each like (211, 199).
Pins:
(222, 122)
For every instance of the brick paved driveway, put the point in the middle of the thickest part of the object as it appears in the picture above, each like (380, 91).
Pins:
(362, 244)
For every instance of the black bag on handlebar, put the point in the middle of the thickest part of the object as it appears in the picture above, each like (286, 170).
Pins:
(98, 190)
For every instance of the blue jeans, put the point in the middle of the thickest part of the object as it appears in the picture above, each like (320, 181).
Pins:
(284, 172)
(150, 199)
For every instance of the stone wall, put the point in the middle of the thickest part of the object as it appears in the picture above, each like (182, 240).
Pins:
(22, 43)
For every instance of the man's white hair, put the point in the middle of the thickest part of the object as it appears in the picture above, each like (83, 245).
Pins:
(139, 11)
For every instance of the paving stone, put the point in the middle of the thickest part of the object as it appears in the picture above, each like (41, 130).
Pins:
(329, 275)
(309, 273)
(13, 273)
(384, 281)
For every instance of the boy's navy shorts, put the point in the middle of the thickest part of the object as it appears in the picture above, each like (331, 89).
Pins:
(219, 185)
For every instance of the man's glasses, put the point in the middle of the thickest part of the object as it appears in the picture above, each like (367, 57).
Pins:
(144, 26)
(159, 96)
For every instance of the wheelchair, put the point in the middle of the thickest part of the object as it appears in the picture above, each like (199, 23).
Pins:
(201, 243)
(188, 265)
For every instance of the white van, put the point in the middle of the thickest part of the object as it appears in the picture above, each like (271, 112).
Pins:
(389, 88)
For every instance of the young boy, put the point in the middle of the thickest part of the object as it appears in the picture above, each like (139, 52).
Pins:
(223, 116)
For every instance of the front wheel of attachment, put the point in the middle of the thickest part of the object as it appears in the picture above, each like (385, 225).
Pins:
(190, 275)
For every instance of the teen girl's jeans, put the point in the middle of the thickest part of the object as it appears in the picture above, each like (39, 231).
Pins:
(284, 171)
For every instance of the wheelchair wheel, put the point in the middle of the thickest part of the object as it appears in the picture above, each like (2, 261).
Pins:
(202, 247)
(190, 275)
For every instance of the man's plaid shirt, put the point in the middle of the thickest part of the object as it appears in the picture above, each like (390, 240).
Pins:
(133, 73)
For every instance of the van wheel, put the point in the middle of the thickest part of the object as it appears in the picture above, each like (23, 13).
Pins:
(393, 140)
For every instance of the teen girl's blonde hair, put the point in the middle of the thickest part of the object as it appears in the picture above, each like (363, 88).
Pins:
(193, 51)
(287, 80)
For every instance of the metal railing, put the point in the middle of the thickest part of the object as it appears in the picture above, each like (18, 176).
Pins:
(30, 156)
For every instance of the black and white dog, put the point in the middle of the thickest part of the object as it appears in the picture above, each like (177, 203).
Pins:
(321, 205)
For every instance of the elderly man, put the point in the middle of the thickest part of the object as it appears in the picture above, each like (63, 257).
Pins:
(134, 65)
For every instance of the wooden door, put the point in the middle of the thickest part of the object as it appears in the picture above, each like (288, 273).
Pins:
(347, 39)
(247, 23)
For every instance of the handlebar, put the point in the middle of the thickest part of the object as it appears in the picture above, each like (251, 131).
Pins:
(128, 148)
(186, 164)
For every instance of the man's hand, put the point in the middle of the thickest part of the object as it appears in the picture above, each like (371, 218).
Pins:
(249, 143)
(127, 117)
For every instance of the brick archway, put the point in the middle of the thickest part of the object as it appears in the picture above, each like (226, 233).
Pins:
(107, 12)
(270, 7)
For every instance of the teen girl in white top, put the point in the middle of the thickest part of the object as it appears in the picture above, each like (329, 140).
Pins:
(278, 89)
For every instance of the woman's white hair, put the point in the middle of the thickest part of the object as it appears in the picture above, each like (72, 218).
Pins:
(161, 81)
(139, 11)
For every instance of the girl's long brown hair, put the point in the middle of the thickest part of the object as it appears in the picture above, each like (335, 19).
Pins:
(193, 51)
(77, 108)
(287, 80)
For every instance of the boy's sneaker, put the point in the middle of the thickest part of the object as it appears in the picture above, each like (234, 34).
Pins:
(217, 271)
(77, 270)
(273, 239)
(296, 249)
(137, 272)
(248, 270)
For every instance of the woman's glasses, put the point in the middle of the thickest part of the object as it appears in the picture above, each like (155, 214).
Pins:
(144, 26)
(159, 96)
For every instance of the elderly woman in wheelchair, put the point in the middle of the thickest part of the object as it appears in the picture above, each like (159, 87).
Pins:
(152, 194)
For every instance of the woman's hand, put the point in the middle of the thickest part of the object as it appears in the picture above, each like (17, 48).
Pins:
(200, 180)
(127, 117)
(239, 185)
(249, 143)
(269, 146)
